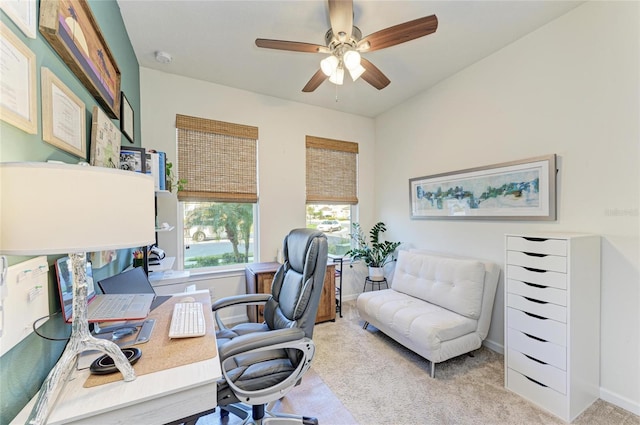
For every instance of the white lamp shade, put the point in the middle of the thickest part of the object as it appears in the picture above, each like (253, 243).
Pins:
(329, 65)
(48, 208)
(337, 77)
(351, 59)
(356, 72)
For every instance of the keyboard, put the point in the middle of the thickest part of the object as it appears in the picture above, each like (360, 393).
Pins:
(187, 321)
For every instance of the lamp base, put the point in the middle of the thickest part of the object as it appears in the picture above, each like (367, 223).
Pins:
(81, 340)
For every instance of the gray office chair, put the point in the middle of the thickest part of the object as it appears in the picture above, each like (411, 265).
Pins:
(261, 362)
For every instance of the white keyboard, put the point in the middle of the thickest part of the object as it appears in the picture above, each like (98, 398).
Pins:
(187, 321)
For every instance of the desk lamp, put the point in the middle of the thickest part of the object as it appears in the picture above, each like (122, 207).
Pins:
(48, 208)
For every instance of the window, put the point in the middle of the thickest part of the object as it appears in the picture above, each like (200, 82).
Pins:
(218, 202)
(332, 170)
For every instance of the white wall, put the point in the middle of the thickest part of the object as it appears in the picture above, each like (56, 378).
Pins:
(282, 127)
(570, 88)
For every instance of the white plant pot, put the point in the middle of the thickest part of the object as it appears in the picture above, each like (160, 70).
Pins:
(376, 273)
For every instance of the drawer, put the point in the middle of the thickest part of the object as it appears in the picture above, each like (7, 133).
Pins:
(538, 261)
(545, 329)
(540, 277)
(537, 245)
(537, 307)
(550, 353)
(539, 292)
(545, 397)
(542, 372)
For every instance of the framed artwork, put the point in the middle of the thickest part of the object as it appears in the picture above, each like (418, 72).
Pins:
(22, 13)
(63, 116)
(18, 103)
(133, 159)
(517, 190)
(126, 118)
(105, 141)
(71, 29)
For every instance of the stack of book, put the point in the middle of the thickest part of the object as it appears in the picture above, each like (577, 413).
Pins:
(157, 167)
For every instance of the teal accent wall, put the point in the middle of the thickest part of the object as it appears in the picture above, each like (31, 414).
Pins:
(25, 366)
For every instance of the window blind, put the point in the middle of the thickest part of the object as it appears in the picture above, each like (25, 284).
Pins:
(217, 159)
(332, 171)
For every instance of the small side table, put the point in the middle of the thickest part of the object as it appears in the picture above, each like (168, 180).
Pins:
(375, 282)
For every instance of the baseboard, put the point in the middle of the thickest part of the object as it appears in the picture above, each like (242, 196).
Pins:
(493, 346)
(618, 400)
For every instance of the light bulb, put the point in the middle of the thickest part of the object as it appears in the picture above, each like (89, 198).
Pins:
(351, 59)
(356, 72)
(329, 65)
(337, 77)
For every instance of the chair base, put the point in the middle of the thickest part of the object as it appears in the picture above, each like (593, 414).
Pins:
(259, 415)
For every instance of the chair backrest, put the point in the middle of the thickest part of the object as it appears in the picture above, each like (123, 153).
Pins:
(297, 285)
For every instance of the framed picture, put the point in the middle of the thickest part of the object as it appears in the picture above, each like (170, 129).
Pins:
(126, 118)
(63, 116)
(518, 190)
(71, 29)
(133, 159)
(23, 14)
(105, 141)
(18, 89)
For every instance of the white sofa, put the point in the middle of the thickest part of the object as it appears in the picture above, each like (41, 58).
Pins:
(438, 306)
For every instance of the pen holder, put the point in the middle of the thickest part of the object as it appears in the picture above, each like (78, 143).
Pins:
(138, 262)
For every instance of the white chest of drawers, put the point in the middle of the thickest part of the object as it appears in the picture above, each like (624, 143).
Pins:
(552, 320)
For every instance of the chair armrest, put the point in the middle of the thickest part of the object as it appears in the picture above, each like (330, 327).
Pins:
(244, 343)
(246, 299)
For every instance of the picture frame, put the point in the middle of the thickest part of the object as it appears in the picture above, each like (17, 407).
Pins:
(105, 140)
(71, 29)
(133, 159)
(63, 116)
(516, 190)
(23, 14)
(18, 91)
(126, 118)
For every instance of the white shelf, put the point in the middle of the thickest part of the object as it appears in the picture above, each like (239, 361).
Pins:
(165, 264)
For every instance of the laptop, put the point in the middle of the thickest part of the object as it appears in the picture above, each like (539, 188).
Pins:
(101, 308)
(134, 281)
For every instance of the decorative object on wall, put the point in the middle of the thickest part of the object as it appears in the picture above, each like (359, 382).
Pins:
(517, 190)
(18, 88)
(105, 141)
(133, 159)
(126, 118)
(63, 116)
(71, 29)
(100, 259)
(23, 14)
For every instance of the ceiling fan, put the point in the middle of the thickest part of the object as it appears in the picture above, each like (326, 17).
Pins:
(344, 43)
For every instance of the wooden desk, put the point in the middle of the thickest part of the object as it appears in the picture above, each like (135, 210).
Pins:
(260, 276)
(154, 398)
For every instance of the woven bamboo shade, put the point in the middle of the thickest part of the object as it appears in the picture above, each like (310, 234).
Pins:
(332, 171)
(217, 159)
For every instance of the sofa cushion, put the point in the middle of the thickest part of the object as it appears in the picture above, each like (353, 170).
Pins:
(451, 283)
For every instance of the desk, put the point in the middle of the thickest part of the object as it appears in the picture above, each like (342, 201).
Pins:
(154, 398)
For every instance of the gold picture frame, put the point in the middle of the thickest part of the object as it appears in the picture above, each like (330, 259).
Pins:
(18, 90)
(71, 29)
(63, 116)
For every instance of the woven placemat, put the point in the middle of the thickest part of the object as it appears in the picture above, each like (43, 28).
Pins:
(162, 352)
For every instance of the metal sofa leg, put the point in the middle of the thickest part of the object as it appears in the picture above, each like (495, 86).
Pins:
(433, 369)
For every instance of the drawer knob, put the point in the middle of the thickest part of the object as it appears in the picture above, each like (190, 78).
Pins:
(531, 269)
(535, 301)
(529, 238)
(534, 359)
(534, 254)
(535, 382)
(535, 337)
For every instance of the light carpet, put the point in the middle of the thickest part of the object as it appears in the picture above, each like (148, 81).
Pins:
(362, 377)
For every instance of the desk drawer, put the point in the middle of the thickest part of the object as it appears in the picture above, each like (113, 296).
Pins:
(538, 292)
(545, 397)
(553, 354)
(537, 307)
(542, 372)
(537, 245)
(537, 276)
(538, 261)
(539, 327)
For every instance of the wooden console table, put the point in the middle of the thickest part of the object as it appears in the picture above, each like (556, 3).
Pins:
(260, 276)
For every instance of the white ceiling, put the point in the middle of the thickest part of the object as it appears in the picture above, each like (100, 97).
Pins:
(215, 41)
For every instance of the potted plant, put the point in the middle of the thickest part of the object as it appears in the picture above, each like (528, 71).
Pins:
(172, 179)
(375, 254)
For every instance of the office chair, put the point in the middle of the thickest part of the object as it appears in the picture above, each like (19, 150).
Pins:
(261, 362)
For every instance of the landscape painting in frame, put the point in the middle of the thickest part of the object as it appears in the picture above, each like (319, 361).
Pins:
(518, 190)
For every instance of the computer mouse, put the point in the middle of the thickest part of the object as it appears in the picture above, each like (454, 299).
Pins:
(188, 300)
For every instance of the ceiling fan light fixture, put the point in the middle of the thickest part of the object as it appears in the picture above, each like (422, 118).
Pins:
(329, 65)
(351, 59)
(337, 77)
(356, 72)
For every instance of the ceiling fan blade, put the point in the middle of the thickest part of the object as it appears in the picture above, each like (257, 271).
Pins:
(293, 46)
(398, 34)
(373, 75)
(341, 17)
(315, 81)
